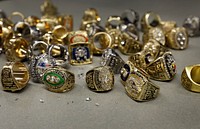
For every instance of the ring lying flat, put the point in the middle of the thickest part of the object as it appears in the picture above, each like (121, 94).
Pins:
(190, 78)
(112, 59)
(100, 79)
(137, 84)
(14, 76)
(58, 79)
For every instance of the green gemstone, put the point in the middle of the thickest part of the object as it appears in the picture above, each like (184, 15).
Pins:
(53, 79)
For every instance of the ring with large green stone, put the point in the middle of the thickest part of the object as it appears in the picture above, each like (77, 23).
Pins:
(58, 79)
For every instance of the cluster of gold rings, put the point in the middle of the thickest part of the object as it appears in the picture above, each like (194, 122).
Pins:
(49, 45)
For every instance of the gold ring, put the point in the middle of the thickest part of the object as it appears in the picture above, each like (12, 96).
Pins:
(190, 78)
(150, 20)
(77, 36)
(155, 33)
(137, 84)
(168, 26)
(163, 68)
(58, 79)
(113, 22)
(14, 76)
(80, 53)
(100, 79)
(100, 42)
(177, 38)
(129, 45)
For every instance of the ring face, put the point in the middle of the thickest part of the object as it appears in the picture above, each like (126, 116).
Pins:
(158, 35)
(100, 79)
(80, 53)
(181, 39)
(170, 64)
(112, 59)
(58, 79)
(136, 83)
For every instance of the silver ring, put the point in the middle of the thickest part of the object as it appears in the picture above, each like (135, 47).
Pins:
(192, 25)
(35, 50)
(130, 16)
(112, 59)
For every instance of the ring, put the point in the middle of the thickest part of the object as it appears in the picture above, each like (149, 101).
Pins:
(155, 33)
(112, 59)
(192, 25)
(190, 78)
(39, 64)
(113, 22)
(130, 16)
(77, 36)
(80, 53)
(58, 79)
(60, 34)
(14, 76)
(116, 37)
(150, 20)
(129, 45)
(60, 53)
(100, 79)
(93, 28)
(100, 42)
(177, 38)
(137, 84)
(163, 68)
(168, 26)
(38, 47)
(18, 49)
(66, 21)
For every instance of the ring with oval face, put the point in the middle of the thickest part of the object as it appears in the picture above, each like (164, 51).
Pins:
(100, 42)
(150, 20)
(58, 79)
(155, 33)
(112, 59)
(60, 53)
(192, 25)
(100, 79)
(129, 45)
(163, 68)
(39, 64)
(14, 76)
(177, 38)
(80, 53)
(190, 78)
(137, 84)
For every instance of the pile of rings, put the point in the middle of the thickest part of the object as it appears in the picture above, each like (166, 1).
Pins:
(49, 45)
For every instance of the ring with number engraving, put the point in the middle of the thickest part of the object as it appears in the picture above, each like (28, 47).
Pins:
(100, 79)
(58, 79)
(190, 78)
(177, 38)
(137, 84)
(163, 68)
(80, 53)
(112, 59)
(14, 76)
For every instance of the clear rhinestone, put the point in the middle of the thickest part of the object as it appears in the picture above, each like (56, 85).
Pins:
(41, 100)
(88, 99)
(181, 38)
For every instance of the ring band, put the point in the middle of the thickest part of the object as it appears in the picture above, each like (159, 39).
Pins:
(137, 84)
(100, 79)
(14, 76)
(58, 79)
(190, 78)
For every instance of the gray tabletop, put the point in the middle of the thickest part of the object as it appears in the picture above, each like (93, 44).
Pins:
(37, 108)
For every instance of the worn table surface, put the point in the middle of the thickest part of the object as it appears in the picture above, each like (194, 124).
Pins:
(37, 108)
